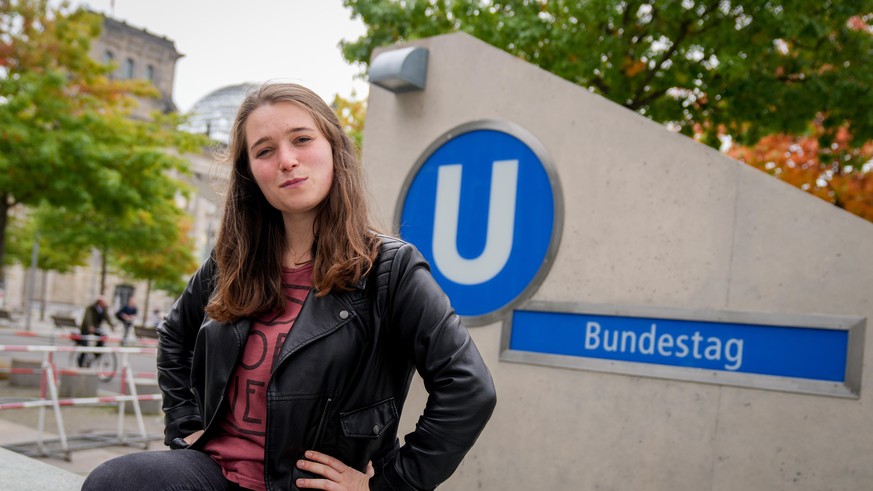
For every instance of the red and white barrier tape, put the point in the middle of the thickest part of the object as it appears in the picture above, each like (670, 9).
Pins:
(80, 401)
(76, 337)
(54, 349)
(68, 371)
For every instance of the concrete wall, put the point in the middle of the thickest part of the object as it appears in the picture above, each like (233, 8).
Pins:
(652, 218)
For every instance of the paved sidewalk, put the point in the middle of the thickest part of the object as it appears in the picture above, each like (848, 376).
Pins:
(22, 473)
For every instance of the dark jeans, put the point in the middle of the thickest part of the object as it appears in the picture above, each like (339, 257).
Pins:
(127, 326)
(85, 359)
(163, 470)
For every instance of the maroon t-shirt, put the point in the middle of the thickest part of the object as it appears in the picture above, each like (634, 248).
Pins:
(238, 446)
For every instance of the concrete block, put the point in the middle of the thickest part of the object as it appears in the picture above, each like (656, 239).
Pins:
(148, 386)
(82, 384)
(25, 379)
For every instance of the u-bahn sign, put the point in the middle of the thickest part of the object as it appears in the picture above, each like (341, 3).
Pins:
(484, 206)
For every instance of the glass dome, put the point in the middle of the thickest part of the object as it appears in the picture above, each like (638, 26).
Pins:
(213, 114)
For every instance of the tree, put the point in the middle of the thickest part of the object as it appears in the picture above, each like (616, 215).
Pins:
(66, 139)
(167, 266)
(708, 68)
(744, 65)
(60, 248)
(149, 245)
(821, 160)
(131, 233)
(57, 252)
(351, 113)
(839, 173)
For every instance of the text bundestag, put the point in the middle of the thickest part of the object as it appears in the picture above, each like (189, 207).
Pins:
(652, 343)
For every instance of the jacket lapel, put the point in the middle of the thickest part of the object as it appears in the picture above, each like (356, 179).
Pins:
(318, 317)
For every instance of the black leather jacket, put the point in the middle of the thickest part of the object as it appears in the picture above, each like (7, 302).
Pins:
(341, 377)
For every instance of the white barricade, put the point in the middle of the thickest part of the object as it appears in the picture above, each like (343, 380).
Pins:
(49, 394)
(66, 371)
(88, 349)
(76, 337)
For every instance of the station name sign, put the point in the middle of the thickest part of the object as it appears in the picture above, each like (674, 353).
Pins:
(810, 353)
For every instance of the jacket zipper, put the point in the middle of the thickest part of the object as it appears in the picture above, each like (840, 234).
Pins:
(321, 424)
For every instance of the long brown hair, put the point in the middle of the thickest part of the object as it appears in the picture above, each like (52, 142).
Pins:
(251, 241)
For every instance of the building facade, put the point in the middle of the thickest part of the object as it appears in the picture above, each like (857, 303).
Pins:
(139, 55)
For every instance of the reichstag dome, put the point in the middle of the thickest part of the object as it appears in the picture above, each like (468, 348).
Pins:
(213, 114)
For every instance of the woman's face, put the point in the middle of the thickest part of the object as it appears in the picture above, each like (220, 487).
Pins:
(291, 160)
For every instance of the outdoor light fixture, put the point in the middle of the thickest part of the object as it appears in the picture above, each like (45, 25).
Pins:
(400, 70)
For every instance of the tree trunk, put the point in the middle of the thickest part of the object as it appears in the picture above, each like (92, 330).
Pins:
(145, 307)
(44, 298)
(4, 220)
(103, 272)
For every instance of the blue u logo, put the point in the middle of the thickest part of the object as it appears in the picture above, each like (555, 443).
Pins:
(483, 207)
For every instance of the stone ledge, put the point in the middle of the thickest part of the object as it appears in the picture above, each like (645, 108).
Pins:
(20, 472)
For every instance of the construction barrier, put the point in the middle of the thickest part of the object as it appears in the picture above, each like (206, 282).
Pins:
(48, 397)
(78, 337)
(66, 371)
(80, 401)
(78, 349)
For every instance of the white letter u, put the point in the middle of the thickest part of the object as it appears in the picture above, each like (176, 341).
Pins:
(501, 223)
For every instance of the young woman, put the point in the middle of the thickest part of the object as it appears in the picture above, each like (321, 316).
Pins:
(286, 362)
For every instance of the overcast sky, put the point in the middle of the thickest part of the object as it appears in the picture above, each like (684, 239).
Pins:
(226, 42)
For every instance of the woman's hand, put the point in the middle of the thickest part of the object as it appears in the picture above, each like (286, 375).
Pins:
(193, 437)
(337, 476)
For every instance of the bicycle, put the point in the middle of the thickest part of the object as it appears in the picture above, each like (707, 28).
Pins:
(105, 364)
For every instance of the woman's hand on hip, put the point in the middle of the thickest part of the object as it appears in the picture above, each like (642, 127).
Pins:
(193, 437)
(337, 476)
